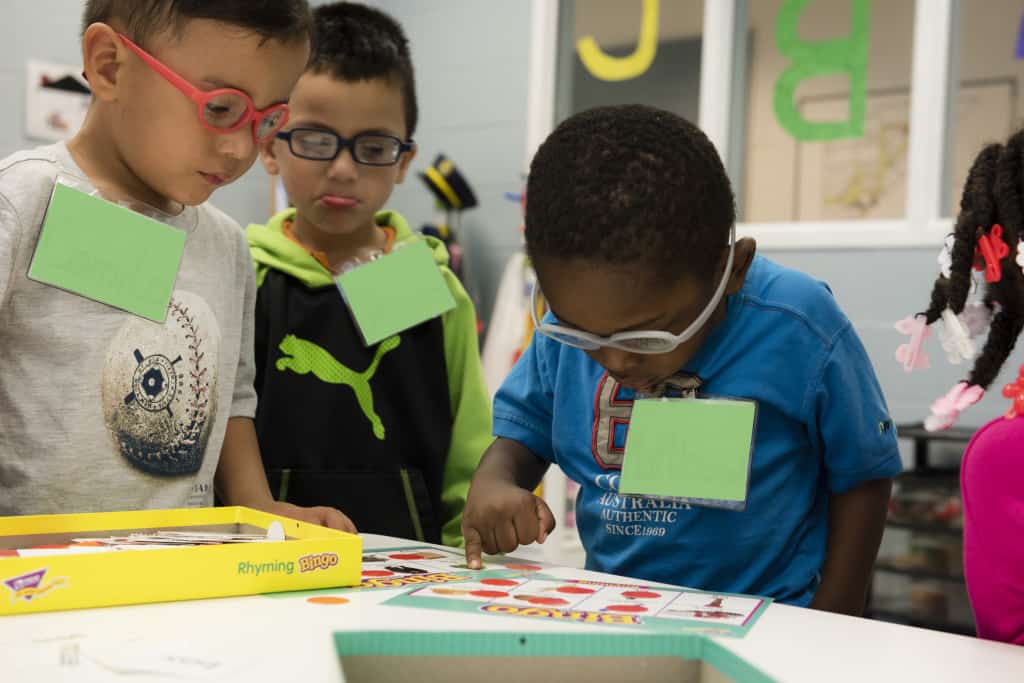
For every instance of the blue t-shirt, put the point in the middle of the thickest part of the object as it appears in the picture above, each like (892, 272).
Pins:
(822, 427)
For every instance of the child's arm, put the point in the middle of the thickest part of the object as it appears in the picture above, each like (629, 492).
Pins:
(856, 520)
(470, 406)
(851, 426)
(240, 480)
(501, 512)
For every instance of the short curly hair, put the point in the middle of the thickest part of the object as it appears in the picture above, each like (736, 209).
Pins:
(353, 42)
(629, 185)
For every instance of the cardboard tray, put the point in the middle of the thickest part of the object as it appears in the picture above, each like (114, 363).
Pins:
(310, 557)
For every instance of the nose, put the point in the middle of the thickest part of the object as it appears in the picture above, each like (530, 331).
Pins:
(238, 145)
(343, 167)
(617, 361)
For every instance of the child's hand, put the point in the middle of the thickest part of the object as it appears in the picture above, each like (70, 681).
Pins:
(323, 516)
(500, 516)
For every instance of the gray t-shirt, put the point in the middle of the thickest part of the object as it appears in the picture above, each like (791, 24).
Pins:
(103, 410)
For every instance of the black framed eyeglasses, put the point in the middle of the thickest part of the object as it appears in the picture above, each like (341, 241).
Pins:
(369, 149)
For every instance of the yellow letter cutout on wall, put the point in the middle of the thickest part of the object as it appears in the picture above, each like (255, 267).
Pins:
(608, 68)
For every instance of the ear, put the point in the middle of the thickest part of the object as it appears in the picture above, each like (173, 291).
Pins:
(746, 248)
(403, 163)
(268, 155)
(103, 59)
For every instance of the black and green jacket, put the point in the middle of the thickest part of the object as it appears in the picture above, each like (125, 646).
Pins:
(390, 434)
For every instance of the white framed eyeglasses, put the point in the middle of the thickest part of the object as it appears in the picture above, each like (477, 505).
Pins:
(639, 341)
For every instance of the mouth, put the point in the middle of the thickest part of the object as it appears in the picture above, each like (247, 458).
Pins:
(334, 201)
(214, 178)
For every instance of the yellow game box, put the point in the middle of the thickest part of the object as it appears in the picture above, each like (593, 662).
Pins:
(40, 573)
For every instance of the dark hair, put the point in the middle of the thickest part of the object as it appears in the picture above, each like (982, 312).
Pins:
(629, 185)
(282, 20)
(992, 195)
(353, 42)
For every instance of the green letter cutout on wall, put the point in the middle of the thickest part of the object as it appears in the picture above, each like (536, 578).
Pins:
(847, 55)
(608, 68)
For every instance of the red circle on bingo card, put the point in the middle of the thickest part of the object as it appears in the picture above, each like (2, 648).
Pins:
(406, 556)
(640, 595)
(499, 582)
(377, 572)
(575, 590)
(524, 567)
(489, 594)
(626, 608)
(548, 602)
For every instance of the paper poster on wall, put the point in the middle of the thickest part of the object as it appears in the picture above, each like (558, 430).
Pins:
(866, 177)
(56, 100)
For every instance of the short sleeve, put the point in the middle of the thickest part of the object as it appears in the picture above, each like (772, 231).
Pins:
(849, 419)
(10, 235)
(523, 404)
(243, 401)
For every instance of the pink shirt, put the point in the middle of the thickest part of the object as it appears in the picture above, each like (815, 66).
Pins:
(992, 480)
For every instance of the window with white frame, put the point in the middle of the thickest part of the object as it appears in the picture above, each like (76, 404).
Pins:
(843, 123)
(825, 113)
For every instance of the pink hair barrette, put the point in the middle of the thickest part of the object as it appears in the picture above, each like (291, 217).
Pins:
(946, 409)
(911, 355)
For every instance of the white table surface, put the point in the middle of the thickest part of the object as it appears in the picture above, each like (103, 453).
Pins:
(264, 638)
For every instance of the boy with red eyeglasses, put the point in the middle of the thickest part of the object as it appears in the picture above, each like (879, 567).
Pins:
(101, 409)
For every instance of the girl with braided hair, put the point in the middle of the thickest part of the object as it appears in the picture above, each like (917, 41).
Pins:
(986, 246)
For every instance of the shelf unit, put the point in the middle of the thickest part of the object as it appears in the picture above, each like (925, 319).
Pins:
(938, 578)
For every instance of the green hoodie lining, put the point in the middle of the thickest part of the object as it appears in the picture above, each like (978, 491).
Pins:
(271, 248)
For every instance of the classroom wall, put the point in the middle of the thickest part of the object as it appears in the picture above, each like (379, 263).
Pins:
(470, 58)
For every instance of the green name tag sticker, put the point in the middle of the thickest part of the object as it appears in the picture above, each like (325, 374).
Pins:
(395, 292)
(107, 253)
(695, 450)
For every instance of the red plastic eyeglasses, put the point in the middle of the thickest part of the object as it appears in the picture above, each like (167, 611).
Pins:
(223, 110)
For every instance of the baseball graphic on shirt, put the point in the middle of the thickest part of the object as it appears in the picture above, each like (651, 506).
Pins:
(159, 387)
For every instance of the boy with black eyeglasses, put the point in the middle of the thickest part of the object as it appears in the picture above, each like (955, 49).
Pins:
(392, 432)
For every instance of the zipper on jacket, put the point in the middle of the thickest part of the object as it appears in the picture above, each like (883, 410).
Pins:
(414, 514)
(282, 490)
